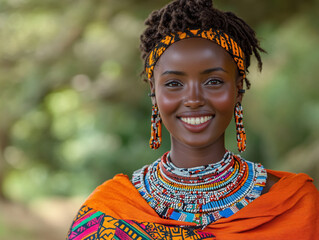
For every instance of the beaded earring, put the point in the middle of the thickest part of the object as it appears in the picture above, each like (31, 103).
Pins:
(240, 130)
(156, 128)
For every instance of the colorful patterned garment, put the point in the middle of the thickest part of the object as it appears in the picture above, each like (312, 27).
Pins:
(116, 210)
(90, 224)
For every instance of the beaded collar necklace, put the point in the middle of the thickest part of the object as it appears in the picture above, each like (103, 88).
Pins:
(200, 195)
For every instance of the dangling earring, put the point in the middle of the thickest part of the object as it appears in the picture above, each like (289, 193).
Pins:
(240, 130)
(156, 128)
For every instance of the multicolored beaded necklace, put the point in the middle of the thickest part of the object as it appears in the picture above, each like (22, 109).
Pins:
(200, 195)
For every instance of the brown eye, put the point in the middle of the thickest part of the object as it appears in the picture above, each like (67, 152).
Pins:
(213, 82)
(173, 84)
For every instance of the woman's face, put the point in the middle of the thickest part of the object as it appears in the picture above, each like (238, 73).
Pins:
(196, 85)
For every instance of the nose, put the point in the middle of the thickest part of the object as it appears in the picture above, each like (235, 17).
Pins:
(194, 96)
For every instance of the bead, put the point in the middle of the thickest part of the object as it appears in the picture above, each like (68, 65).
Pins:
(200, 194)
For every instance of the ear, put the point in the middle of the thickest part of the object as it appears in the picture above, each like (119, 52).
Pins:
(239, 86)
(152, 89)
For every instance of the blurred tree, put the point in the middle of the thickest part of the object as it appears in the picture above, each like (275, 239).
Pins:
(74, 111)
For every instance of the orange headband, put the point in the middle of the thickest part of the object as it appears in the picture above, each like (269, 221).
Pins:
(217, 36)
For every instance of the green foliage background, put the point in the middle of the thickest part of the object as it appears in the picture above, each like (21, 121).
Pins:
(74, 110)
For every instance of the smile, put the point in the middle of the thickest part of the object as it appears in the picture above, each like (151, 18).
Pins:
(196, 120)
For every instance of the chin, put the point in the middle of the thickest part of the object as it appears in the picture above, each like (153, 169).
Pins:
(199, 143)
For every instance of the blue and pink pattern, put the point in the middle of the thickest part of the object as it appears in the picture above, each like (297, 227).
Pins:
(95, 225)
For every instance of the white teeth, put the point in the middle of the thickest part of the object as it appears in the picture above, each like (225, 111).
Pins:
(196, 120)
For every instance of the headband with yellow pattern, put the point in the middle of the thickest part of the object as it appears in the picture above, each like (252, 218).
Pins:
(217, 36)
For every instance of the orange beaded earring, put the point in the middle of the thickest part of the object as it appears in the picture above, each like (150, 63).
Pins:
(240, 130)
(156, 126)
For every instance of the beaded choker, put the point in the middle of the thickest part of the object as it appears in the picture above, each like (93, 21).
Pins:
(200, 195)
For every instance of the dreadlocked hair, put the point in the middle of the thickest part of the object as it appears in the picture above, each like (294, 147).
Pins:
(179, 15)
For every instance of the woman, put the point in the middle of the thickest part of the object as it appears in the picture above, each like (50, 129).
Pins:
(196, 60)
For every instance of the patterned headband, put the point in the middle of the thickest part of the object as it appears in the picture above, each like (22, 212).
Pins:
(217, 36)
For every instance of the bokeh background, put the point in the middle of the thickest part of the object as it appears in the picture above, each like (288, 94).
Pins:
(74, 110)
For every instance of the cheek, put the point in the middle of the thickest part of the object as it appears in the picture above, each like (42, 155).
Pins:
(224, 102)
(167, 103)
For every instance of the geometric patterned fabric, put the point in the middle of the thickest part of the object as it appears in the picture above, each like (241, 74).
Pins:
(95, 225)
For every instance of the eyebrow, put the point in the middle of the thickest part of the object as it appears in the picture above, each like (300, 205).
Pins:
(210, 70)
(174, 72)
(207, 71)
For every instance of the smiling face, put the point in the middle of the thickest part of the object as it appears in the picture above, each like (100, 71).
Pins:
(196, 84)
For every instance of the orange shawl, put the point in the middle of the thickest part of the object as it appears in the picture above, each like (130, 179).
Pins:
(290, 210)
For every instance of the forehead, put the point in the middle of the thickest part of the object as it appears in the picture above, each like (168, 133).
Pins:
(195, 54)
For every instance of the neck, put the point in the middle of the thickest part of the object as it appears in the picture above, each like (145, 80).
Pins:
(184, 156)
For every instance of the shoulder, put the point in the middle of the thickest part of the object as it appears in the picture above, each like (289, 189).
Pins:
(116, 188)
(118, 198)
(271, 180)
(287, 181)
(118, 183)
(97, 210)
(110, 195)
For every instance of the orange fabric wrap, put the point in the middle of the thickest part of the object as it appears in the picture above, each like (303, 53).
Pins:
(290, 210)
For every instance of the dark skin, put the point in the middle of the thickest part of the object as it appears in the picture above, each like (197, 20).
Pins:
(196, 85)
